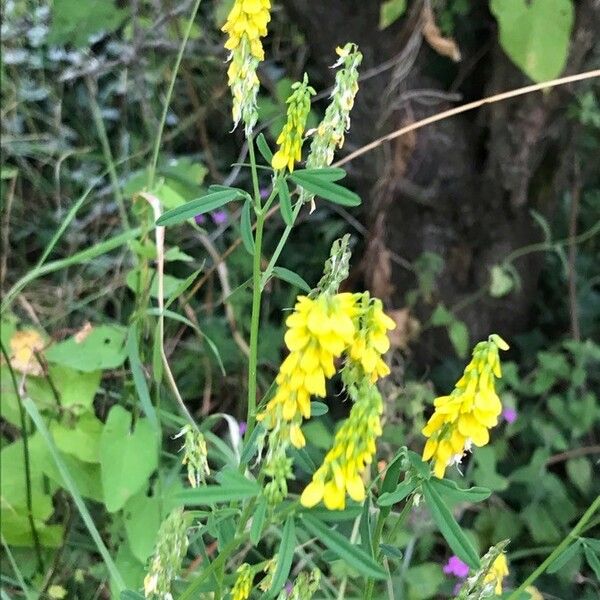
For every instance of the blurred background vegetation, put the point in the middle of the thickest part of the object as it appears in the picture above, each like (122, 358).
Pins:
(487, 222)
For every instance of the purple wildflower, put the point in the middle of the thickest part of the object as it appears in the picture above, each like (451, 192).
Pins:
(456, 567)
(243, 426)
(509, 414)
(288, 588)
(200, 219)
(219, 217)
(265, 193)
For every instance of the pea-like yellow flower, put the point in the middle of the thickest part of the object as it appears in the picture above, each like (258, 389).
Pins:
(319, 330)
(353, 449)
(291, 137)
(498, 571)
(246, 24)
(243, 583)
(465, 416)
(371, 340)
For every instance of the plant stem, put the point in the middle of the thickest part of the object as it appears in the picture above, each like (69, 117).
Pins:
(25, 438)
(587, 515)
(256, 297)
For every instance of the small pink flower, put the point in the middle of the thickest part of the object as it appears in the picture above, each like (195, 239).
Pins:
(200, 219)
(509, 414)
(456, 567)
(242, 426)
(219, 217)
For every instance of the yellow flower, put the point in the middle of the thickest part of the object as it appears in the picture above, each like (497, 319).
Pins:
(23, 348)
(371, 340)
(464, 417)
(353, 449)
(291, 137)
(246, 24)
(498, 571)
(243, 584)
(319, 330)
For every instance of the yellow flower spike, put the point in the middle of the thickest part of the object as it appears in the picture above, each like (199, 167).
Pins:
(243, 583)
(498, 571)
(291, 137)
(464, 418)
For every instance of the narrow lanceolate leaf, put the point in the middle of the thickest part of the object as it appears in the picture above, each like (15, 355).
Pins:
(448, 490)
(285, 203)
(291, 277)
(285, 556)
(564, 557)
(402, 491)
(327, 173)
(198, 206)
(592, 560)
(258, 521)
(326, 189)
(139, 380)
(318, 409)
(263, 148)
(353, 556)
(213, 494)
(246, 227)
(448, 526)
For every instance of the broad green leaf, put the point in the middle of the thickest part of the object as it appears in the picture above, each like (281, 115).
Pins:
(291, 277)
(354, 556)
(258, 521)
(564, 557)
(263, 148)
(246, 227)
(501, 281)
(16, 530)
(535, 34)
(132, 571)
(81, 438)
(402, 491)
(391, 11)
(326, 189)
(448, 526)
(198, 206)
(139, 379)
(127, 457)
(318, 409)
(450, 491)
(102, 348)
(285, 555)
(141, 516)
(285, 202)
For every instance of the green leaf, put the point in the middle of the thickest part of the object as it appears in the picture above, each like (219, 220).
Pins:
(285, 202)
(318, 409)
(250, 447)
(424, 580)
(364, 527)
(390, 11)
(103, 348)
(450, 492)
(82, 439)
(459, 336)
(233, 486)
(391, 551)
(131, 595)
(263, 148)
(564, 557)
(127, 458)
(353, 556)
(501, 281)
(402, 491)
(592, 560)
(334, 516)
(579, 471)
(73, 22)
(246, 227)
(448, 526)
(139, 379)
(182, 287)
(141, 517)
(535, 34)
(198, 206)
(327, 173)
(258, 521)
(291, 277)
(326, 189)
(285, 556)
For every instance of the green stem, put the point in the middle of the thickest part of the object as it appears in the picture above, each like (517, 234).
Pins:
(256, 295)
(286, 233)
(27, 464)
(106, 151)
(589, 513)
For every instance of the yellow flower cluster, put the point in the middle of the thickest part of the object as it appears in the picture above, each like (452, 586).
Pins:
(371, 340)
(464, 417)
(319, 330)
(353, 449)
(246, 24)
(498, 571)
(291, 137)
(243, 583)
